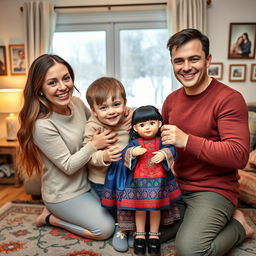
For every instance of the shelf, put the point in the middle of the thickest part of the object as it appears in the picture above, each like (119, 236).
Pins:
(9, 148)
(7, 180)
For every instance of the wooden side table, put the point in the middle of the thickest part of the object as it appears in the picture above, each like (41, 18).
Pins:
(9, 148)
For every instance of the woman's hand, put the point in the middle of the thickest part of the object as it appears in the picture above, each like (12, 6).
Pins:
(158, 157)
(112, 154)
(104, 139)
(128, 117)
(137, 151)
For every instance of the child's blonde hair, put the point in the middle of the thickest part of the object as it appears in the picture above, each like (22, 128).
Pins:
(100, 89)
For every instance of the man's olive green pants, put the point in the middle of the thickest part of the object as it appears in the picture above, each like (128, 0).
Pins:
(207, 227)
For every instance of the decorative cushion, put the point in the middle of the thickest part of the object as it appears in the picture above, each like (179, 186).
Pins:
(247, 187)
(252, 128)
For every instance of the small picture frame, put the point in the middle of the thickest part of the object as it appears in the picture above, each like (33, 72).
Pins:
(3, 65)
(253, 72)
(17, 59)
(237, 72)
(216, 70)
(242, 37)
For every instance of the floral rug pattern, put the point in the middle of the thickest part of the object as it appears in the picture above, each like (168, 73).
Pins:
(19, 236)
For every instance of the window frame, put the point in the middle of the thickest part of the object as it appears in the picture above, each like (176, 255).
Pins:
(112, 22)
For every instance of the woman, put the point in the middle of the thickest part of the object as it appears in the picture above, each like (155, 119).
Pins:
(236, 48)
(51, 144)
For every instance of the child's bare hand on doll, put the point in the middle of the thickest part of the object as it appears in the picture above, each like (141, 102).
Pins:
(112, 154)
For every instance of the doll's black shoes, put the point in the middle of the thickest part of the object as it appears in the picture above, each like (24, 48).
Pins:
(154, 245)
(139, 244)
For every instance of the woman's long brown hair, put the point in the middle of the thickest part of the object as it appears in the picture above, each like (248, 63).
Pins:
(35, 106)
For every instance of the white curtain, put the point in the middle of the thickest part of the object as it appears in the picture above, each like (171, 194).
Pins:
(187, 14)
(39, 26)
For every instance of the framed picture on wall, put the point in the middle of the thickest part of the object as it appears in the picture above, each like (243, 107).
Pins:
(3, 65)
(17, 59)
(253, 72)
(237, 72)
(242, 37)
(216, 70)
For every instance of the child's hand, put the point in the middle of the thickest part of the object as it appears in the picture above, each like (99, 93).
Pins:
(112, 154)
(158, 157)
(137, 151)
(104, 139)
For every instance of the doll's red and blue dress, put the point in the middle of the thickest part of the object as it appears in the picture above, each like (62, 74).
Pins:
(134, 184)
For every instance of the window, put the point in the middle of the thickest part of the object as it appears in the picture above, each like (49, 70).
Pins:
(130, 46)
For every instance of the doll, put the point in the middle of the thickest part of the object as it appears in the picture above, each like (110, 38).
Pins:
(147, 183)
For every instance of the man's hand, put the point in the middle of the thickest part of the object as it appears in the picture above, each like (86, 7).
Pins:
(171, 134)
(137, 151)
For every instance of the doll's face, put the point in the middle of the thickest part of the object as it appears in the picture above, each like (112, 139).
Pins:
(148, 129)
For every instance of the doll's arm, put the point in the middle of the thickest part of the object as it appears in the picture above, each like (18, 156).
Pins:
(138, 151)
(130, 157)
(158, 157)
(170, 155)
(129, 154)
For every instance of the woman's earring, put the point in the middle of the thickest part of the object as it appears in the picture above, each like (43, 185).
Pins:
(41, 94)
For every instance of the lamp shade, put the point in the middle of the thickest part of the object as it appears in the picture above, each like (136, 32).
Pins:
(10, 100)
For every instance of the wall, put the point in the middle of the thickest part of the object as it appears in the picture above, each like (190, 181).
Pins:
(220, 14)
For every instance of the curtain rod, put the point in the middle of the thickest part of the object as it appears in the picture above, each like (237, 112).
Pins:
(109, 6)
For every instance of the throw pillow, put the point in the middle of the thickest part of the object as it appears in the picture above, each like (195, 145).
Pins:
(252, 128)
(247, 187)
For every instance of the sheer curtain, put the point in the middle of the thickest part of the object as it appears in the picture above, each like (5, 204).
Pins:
(39, 26)
(187, 14)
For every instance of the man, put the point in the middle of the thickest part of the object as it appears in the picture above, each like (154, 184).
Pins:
(207, 122)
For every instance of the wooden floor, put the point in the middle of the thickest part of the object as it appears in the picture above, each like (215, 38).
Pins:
(9, 193)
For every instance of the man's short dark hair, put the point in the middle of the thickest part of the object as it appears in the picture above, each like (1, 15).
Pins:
(186, 35)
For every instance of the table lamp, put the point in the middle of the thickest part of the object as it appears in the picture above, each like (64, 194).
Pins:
(10, 102)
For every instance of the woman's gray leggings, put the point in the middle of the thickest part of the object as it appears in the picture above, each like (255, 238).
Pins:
(84, 212)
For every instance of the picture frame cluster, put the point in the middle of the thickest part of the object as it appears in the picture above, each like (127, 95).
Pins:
(16, 60)
(237, 72)
(241, 46)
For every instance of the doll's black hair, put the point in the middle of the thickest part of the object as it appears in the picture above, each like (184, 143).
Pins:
(143, 114)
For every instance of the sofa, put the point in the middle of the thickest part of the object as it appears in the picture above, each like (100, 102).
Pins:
(247, 175)
(247, 178)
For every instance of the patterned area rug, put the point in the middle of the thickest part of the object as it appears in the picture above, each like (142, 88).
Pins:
(20, 237)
